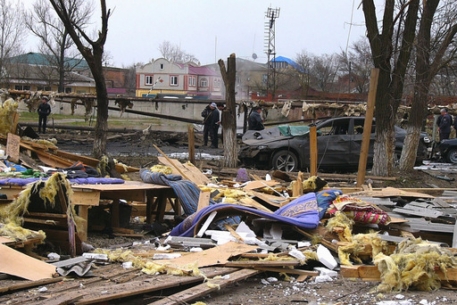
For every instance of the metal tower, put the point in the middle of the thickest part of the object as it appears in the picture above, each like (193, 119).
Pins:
(270, 25)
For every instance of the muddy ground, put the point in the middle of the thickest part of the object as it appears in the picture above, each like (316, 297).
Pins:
(266, 288)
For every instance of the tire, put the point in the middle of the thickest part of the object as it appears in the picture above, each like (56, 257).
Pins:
(285, 160)
(451, 156)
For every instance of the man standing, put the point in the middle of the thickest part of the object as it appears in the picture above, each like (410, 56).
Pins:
(444, 123)
(43, 111)
(210, 124)
(255, 120)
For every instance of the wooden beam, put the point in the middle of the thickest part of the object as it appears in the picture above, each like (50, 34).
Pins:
(367, 126)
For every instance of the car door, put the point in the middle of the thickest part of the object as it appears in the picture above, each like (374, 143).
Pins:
(334, 143)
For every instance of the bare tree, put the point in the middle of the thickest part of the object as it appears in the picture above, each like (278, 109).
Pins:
(12, 34)
(357, 63)
(430, 58)
(229, 113)
(391, 49)
(55, 40)
(92, 51)
(321, 70)
(174, 53)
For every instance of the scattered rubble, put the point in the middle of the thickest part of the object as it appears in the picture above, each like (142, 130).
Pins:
(197, 232)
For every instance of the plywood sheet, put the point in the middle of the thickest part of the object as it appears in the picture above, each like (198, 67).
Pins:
(12, 147)
(259, 184)
(18, 264)
(215, 256)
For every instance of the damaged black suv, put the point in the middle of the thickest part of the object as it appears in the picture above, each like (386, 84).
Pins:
(339, 140)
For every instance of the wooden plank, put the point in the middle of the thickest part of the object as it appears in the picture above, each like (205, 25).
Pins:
(191, 145)
(259, 184)
(18, 264)
(215, 256)
(87, 198)
(288, 271)
(371, 273)
(29, 284)
(204, 289)
(249, 202)
(13, 147)
(106, 293)
(203, 200)
(255, 264)
(187, 171)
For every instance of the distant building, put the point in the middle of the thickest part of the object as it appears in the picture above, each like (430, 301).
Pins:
(36, 71)
(162, 77)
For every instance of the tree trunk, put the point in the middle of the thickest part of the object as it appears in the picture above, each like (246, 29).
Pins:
(229, 114)
(101, 125)
(421, 88)
(391, 74)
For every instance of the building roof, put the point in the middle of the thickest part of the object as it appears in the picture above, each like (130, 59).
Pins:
(289, 61)
(46, 60)
(206, 71)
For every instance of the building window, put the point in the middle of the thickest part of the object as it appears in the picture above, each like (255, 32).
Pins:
(204, 83)
(161, 66)
(173, 80)
(192, 81)
(41, 88)
(217, 83)
(149, 80)
(67, 90)
(20, 87)
(264, 78)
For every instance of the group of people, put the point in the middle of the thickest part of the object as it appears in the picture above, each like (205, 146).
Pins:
(444, 123)
(212, 118)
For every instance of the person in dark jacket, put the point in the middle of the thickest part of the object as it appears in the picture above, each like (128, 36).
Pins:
(44, 110)
(444, 123)
(210, 125)
(255, 121)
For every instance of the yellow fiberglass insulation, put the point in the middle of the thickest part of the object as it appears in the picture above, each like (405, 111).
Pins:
(7, 109)
(351, 251)
(148, 266)
(340, 220)
(12, 214)
(158, 168)
(414, 265)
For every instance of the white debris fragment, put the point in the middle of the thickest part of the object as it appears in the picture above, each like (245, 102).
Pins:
(265, 282)
(54, 256)
(272, 279)
(326, 258)
(42, 289)
(127, 265)
(195, 249)
(325, 271)
(166, 255)
(96, 256)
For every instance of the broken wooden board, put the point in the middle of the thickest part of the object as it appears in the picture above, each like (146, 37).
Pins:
(190, 171)
(13, 147)
(18, 264)
(371, 273)
(205, 288)
(259, 184)
(394, 192)
(218, 255)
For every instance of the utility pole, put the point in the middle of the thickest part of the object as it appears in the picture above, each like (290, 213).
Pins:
(270, 25)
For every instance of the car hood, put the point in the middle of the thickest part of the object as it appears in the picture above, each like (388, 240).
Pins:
(256, 142)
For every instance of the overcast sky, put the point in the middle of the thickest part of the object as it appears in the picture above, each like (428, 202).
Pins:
(213, 29)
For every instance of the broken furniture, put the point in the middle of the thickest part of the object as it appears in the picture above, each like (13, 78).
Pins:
(155, 196)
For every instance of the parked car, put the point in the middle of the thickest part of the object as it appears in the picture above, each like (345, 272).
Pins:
(448, 150)
(339, 141)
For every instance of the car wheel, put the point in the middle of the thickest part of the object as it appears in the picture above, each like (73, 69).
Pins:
(451, 156)
(285, 160)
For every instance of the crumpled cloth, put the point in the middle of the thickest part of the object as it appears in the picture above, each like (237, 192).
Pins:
(187, 192)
